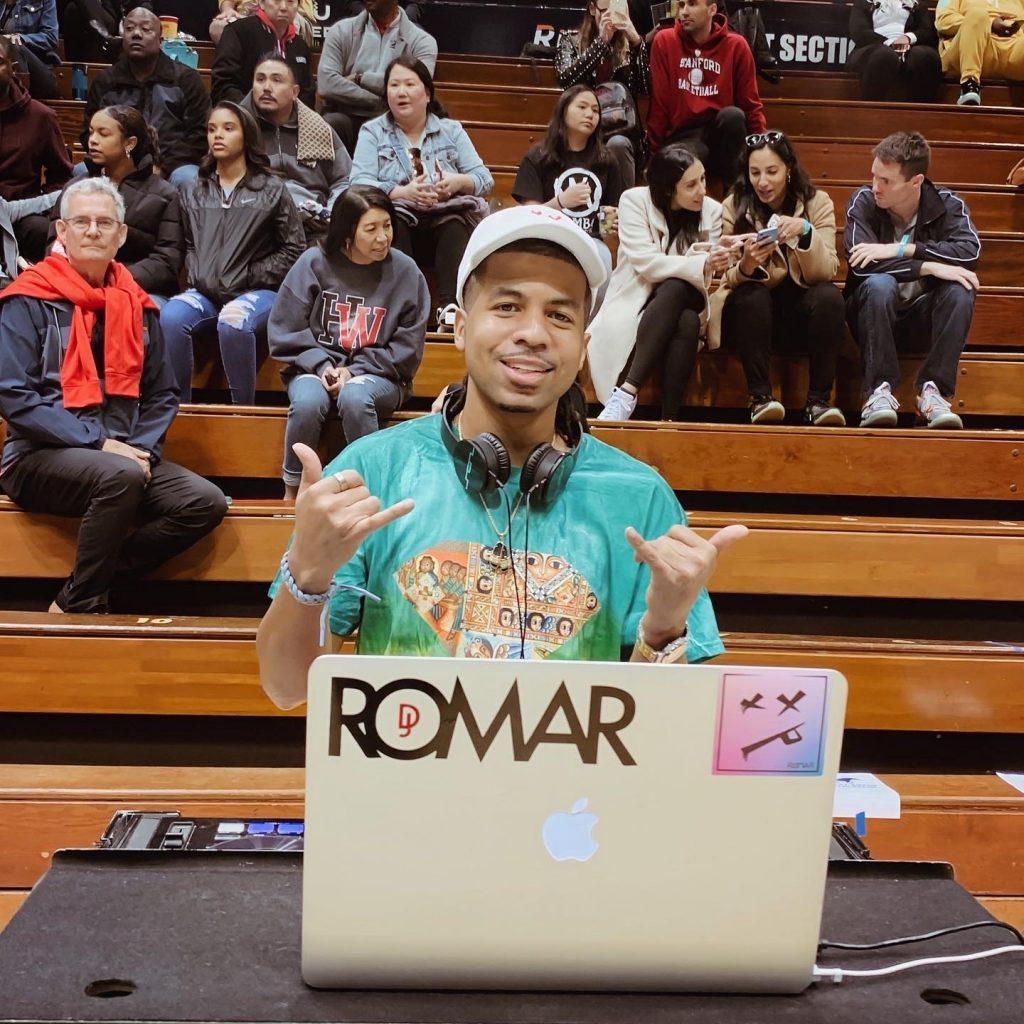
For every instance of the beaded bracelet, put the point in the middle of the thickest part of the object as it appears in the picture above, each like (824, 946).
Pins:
(333, 588)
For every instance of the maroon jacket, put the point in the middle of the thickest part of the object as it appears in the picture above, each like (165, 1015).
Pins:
(690, 84)
(30, 142)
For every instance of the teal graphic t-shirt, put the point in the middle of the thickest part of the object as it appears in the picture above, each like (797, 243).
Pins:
(445, 582)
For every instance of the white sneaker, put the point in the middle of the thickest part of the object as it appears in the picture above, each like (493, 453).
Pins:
(880, 408)
(620, 406)
(446, 318)
(936, 411)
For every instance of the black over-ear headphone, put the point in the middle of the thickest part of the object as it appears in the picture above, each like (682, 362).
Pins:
(483, 465)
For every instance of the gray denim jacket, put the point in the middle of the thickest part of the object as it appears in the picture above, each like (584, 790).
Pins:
(382, 155)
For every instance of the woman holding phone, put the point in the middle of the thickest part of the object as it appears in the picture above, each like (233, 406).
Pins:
(357, 356)
(670, 246)
(779, 295)
(608, 48)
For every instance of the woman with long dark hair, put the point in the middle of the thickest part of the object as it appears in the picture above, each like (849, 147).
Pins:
(608, 48)
(124, 148)
(571, 170)
(242, 234)
(426, 164)
(779, 295)
(356, 356)
(655, 308)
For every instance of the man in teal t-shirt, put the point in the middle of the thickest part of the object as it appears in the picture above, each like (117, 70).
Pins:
(496, 574)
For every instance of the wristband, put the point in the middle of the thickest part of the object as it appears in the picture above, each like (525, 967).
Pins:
(807, 227)
(901, 249)
(318, 599)
(674, 651)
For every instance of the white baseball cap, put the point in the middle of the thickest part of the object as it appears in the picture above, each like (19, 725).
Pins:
(540, 222)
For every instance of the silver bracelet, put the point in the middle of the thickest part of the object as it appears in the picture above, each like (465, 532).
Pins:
(324, 599)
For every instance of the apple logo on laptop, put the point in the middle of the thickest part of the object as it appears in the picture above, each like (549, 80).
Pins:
(567, 836)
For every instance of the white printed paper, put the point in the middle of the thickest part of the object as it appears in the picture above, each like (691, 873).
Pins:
(864, 793)
(1015, 779)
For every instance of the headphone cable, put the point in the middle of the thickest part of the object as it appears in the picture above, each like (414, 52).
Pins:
(512, 566)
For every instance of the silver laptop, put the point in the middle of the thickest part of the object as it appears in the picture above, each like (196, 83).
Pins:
(566, 825)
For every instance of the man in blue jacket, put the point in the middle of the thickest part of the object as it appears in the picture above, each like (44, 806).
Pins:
(87, 393)
(912, 251)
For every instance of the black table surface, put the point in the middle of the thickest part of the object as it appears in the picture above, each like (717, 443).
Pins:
(215, 937)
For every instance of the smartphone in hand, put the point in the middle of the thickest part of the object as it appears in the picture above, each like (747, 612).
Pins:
(767, 235)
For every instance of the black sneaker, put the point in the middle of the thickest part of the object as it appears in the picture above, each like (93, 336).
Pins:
(820, 414)
(766, 410)
(970, 92)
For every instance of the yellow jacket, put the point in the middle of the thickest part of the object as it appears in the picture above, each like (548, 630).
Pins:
(949, 14)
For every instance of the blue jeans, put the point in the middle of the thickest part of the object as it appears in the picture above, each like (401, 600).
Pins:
(362, 403)
(936, 323)
(241, 328)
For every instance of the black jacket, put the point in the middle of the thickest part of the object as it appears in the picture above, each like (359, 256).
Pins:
(239, 51)
(35, 334)
(154, 250)
(173, 100)
(862, 31)
(944, 234)
(237, 245)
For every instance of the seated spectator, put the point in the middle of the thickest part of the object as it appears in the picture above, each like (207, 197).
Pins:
(89, 28)
(607, 47)
(232, 10)
(355, 55)
(571, 169)
(301, 145)
(168, 94)
(980, 37)
(895, 50)
(704, 89)
(33, 155)
(11, 214)
(88, 394)
(413, 9)
(31, 25)
(656, 304)
(426, 164)
(245, 41)
(123, 148)
(242, 235)
(355, 355)
(912, 251)
(780, 294)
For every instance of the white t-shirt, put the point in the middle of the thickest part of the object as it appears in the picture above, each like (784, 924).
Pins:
(890, 18)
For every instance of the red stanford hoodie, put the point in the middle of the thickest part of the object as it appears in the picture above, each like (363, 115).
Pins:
(690, 83)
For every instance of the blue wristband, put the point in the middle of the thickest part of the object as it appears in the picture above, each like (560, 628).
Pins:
(901, 249)
(807, 227)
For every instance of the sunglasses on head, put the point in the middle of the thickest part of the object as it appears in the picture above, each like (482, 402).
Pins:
(762, 137)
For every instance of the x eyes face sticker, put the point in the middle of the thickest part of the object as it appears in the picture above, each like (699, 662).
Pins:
(751, 739)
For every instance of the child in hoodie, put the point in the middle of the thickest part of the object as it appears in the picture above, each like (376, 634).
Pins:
(704, 89)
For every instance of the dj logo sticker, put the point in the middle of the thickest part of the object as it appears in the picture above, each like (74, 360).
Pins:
(771, 723)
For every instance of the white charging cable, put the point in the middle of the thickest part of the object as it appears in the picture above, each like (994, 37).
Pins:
(837, 974)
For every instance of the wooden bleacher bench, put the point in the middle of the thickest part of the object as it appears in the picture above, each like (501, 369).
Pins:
(989, 384)
(151, 665)
(813, 555)
(974, 822)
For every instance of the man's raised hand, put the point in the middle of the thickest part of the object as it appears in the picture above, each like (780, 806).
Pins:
(333, 516)
(681, 563)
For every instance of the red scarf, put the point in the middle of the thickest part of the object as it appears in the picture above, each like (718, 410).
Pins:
(280, 44)
(122, 299)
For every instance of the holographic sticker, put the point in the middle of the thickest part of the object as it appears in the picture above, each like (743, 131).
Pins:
(771, 723)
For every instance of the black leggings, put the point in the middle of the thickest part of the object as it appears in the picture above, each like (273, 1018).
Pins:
(445, 244)
(789, 319)
(668, 336)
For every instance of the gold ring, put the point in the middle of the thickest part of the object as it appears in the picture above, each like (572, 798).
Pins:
(342, 482)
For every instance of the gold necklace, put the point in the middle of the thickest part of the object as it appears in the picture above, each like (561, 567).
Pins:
(502, 552)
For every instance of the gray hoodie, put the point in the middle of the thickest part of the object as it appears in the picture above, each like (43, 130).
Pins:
(369, 319)
(356, 46)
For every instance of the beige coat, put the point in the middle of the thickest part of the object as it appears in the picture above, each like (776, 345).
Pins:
(642, 264)
(818, 262)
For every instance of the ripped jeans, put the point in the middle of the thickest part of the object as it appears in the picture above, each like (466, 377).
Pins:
(241, 332)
